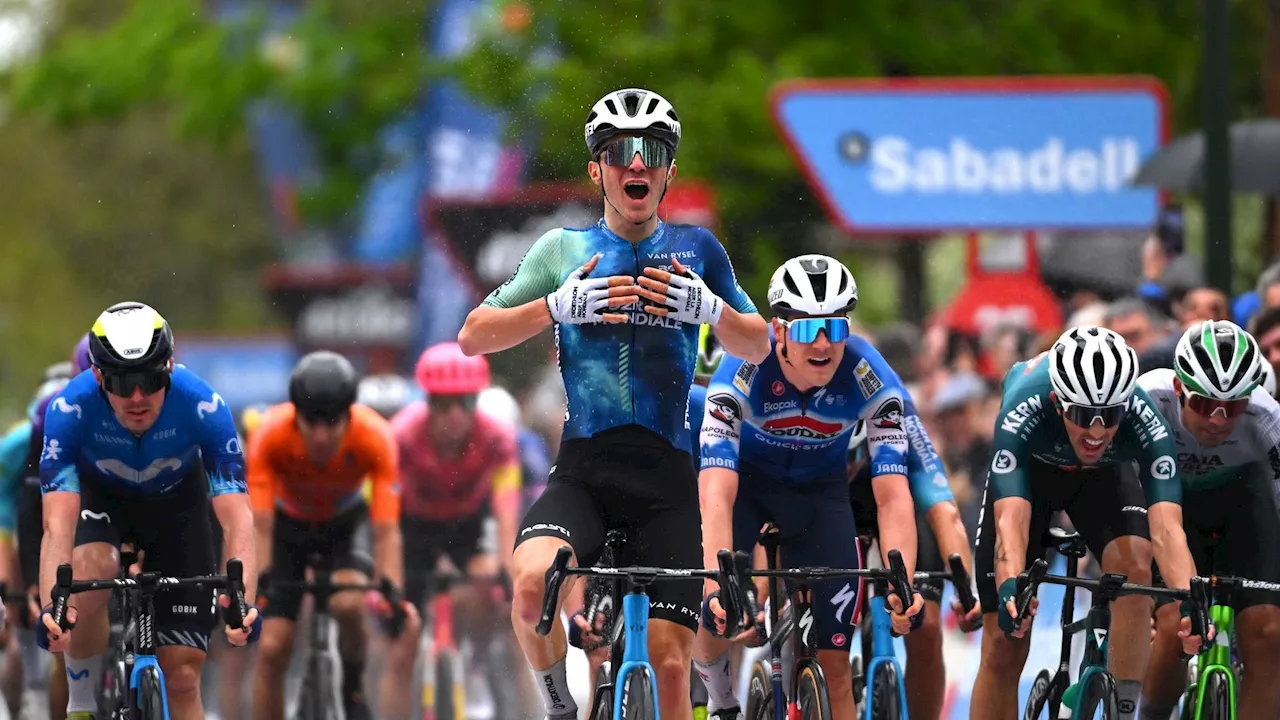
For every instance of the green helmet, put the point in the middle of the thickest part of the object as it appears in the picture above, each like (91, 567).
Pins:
(709, 352)
(1218, 359)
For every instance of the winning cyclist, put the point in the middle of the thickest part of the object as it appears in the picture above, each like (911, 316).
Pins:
(134, 451)
(626, 297)
(1227, 432)
(1071, 423)
(773, 445)
(308, 460)
(931, 494)
(461, 477)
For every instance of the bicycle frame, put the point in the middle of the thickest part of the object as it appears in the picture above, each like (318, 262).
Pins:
(441, 638)
(882, 651)
(1217, 657)
(635, 616)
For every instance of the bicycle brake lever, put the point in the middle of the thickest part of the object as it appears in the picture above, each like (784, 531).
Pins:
(233, 614)
(554, 579)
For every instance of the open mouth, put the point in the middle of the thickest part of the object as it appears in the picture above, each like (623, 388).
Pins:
(1093, 446)
(819, 362)
(636, 190)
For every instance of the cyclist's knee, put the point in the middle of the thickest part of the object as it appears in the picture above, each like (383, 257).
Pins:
(1260, 636)
(928, 637)
(347, 607)
(1131, 556)
(835, 668)
(94, 561)
(529, 570)
(670, 652)
(483, 567)
(1001, 655)
(181, 666)
(274, 648)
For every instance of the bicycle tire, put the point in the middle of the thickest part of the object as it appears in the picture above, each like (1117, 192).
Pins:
(759, 704)
(1217, 698)
(1099, 693)
(602, 702)
(150, 695)
(448, 695)
(885, 700)
(812, 696)
(1038, 698)
(637, 696)
(503, 685)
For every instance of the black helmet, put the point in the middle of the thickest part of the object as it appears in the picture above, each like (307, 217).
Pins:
(130, 337)
(323, 385)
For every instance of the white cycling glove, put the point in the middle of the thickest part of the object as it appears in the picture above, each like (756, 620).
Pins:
(689, 300)
(579, 301)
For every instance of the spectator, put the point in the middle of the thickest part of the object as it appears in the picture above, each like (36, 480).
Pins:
(1091, 314)
(957, 412)
(1196, 305)
(1268, 287)
(1137, 322)
(1005, 345)
(1266, 329)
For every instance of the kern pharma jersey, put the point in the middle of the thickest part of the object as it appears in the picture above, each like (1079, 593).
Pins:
(1029, 428)
(637, 372)
(1255, 439)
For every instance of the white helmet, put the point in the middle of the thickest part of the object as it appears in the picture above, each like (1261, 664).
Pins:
(1218, 359)
(499, 405)
(631, 111)
(1269, 379)
(1092, 366)
(387, 394)
(859, 435)
(812, 285)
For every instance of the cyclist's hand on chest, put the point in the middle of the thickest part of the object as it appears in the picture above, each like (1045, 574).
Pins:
(584, 300)
(681, 295)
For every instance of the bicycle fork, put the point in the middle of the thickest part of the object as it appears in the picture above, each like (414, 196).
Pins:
(441, 638)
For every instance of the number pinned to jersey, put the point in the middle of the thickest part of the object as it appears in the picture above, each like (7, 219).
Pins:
(868, 382)
(746, 373)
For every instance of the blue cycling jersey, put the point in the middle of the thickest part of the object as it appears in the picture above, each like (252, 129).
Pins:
(84, 441)
(637, 372)
(697, 406)
(754, 417)
(13, 466)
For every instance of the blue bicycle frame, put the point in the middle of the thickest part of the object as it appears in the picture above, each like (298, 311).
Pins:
(882, 652)
(146, 661)
(635, 615)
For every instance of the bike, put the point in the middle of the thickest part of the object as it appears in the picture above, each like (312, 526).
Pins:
(629, 653)
(1095, 689)
(888, 697)
(320, 693)
(146, 699)
(117, 662)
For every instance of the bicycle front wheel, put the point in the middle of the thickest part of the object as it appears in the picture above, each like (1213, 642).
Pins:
(885, 699)
(760, 692)
(150, 695)
(602, 704)
(448, 691)
(1217, 698)
(1038, 699)
(811, 693)
(1098, 698)
(637, 696)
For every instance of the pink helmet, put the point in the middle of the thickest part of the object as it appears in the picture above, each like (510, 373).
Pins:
(443, 369)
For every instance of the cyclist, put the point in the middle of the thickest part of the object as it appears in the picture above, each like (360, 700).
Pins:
(773, 444)
(945, 535)
(385, 394)
(625, 297)
(1071, 424)
(461, 479)
(30, 531)
(1227, 432)
(535, 461)
(308, 459)
(129, 450)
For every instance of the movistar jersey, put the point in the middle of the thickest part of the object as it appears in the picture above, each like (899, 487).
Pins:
(13, 466)
(755, 418)
(1254, 441)
(83, 441)
(637, 372)
(1029, 428)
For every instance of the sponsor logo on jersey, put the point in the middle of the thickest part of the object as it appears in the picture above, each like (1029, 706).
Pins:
(1023, 411)
(111, 439)
(889, 415)
(725, 408)
(919, 440)
(165, 434)
(546, 526)
(1163, 468)
(205, 407)
(778, 388)
(1134, 509)
(1003, 462)
(783, 405)
(743, 377)
(1155, 427)
(61, 405)
(868, 382)
(1190, 463)
(91, 515)
(51, 449)
(802, 426)
(133, 475)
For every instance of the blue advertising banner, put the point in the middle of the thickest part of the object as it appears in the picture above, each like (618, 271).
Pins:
(244, 370)
(928, 155)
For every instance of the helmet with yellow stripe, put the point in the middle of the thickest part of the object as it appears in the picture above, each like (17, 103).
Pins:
(710, 353)
(130, 337)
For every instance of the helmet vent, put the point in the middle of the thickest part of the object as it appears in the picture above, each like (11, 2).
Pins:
(653, 105)
(613, 108)
(632, 102)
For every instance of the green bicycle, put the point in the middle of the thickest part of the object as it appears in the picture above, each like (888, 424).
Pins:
(1211, 678)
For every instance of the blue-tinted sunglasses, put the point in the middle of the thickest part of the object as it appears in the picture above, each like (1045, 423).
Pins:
(805, 330)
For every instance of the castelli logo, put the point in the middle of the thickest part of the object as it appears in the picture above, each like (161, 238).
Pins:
(778, 387)
(838, 640)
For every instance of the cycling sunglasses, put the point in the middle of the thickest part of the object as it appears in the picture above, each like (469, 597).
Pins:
(805, 330)
(653, 152)
(123, 384)
(442, 403)
(1086, 415)
(1207, 406)
(325, 420)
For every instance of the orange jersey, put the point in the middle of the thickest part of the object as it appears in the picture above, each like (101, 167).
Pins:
(281, 475)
